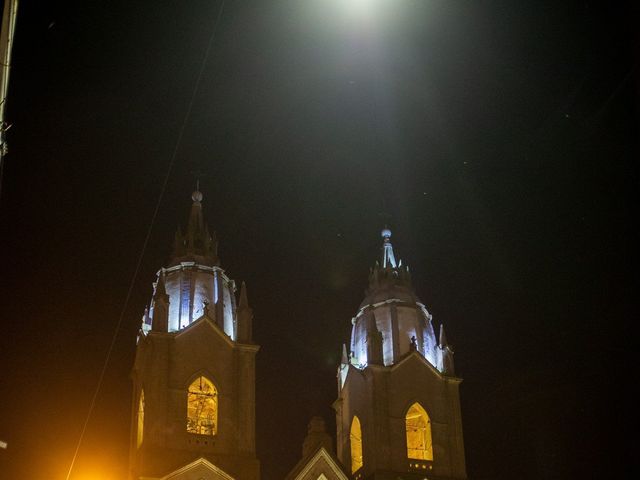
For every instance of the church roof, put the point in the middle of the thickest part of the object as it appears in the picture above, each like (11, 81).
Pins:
(195, 469)
(389, 278)
(196, 244)
(320, 462)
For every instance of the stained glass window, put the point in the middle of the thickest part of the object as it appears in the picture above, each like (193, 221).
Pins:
(419, 444)
(140, 435)
(356, 445)
(202, 407)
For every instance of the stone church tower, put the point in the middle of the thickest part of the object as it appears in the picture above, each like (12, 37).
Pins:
(193, 412)
(398, 407)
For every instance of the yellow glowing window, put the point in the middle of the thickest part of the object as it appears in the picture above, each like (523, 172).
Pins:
(419, 444)
(140, 419)
(356, 445)
(202, 407)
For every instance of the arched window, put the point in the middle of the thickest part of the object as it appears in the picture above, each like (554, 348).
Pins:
(419, 444)
(356, 445)
(140, 433)
(202, 407)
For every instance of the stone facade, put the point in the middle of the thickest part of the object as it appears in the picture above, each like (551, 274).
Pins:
(193, 407)
(174, 349)
(394, 364)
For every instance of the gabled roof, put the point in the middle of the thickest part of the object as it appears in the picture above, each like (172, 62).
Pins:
(204, 319)
(201, 464)
(414, 354)
(328, 464)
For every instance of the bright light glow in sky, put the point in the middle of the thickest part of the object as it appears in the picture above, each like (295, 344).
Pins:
(353, 11)
(361, 9)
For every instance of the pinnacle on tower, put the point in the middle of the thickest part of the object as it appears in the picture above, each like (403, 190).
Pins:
(447, 365)
(389, 270)
(160, 287)
(160, 320)
(244, 301)
(345, 357)
(443, 337)
(388, 258)
(245, 317)
(196, 241)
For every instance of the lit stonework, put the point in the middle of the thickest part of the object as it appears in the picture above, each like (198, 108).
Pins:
(418, 428)
(194, 280)
(391, 312)
(398, 406)
(193, 406)
(194, 372)
(202, 407)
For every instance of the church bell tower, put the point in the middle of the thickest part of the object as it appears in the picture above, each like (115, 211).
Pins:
(398, 406)
(193, 412)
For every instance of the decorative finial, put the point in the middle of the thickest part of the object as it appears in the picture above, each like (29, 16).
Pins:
(196, 196)
(388, 258)
(244, 302)
(160, 287)
(443, 337)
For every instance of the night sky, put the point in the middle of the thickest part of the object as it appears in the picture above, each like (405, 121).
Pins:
(498, 139)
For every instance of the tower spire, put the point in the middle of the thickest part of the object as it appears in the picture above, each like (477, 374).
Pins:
(244, 301)
(443, 337)
(345, 358)
(196, 240)
(446, 362)
(195, 227)
(245, 317)
(160, 319)
(388, 258)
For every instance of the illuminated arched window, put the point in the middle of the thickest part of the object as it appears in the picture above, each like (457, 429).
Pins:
(419, 444)
(202, 407)
(356, 445)
(140, 432)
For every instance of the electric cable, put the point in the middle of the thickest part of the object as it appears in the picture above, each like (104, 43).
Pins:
(147, 237)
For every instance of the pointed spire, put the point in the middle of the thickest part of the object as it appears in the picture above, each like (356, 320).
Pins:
(244, 316)
(195, 227)
(244, 301)
(196, 240)
(447, 365)
(388, 258)
(160, 320)
(443, 337)
(160, 287)
(345, 358)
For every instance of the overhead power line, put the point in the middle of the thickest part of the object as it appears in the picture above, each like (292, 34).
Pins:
(172, 161)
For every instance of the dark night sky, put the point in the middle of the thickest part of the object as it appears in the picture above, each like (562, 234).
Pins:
(501, 136)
